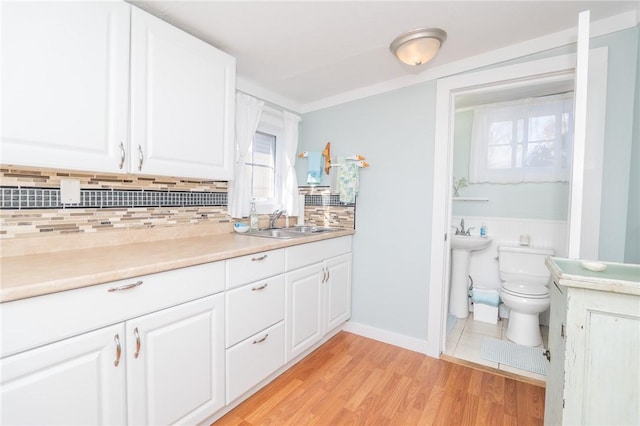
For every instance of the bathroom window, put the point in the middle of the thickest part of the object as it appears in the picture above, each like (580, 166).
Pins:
(528, 140)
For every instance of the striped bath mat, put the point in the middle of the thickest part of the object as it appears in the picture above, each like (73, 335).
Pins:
(518, 356)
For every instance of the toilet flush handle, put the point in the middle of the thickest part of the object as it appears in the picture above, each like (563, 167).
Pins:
(547, 354)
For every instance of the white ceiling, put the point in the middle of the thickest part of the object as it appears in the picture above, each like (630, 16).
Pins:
(301, 52)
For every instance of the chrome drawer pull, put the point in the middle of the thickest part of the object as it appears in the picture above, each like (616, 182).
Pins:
(126, 287)
(256, 259)
(122, 156)
(262, 287)
(135, 333)
(140, 158)
(261, 340)
(118, 350)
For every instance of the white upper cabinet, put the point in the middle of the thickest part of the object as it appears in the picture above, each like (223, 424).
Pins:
(65, 76)
(106, 87)
(182, 102)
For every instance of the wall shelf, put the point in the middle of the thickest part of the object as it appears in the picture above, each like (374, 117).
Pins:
(469, 199)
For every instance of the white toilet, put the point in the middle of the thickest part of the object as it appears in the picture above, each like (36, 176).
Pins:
(525, 291)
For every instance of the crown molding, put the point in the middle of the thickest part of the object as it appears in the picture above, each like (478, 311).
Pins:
(566, 37)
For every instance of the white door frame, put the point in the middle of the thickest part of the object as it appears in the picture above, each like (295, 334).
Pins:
(550, 69)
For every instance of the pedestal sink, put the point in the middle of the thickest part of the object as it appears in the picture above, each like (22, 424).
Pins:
(461, 248)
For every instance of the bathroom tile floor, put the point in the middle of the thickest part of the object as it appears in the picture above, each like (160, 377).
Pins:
(464, 340)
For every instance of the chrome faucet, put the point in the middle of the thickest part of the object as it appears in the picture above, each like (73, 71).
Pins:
(274, 217)
(461, 230)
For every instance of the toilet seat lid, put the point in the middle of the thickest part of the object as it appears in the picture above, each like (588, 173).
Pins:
(526, 289)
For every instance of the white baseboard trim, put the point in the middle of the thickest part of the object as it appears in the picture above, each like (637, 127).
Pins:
(400, 340)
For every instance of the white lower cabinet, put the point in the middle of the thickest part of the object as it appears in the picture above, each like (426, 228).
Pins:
(304, 309)
(172, 347)
(337, 291)
(77, 381)
(146, 350)
(318, 296)
(594, 345)
(253, 307)
(175, 363)
(254, 359)
(254, 321)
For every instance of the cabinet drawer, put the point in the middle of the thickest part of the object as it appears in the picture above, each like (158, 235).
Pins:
(32, 322)
(253, 307)
(247, 269)
(310, 253)
(254, 359)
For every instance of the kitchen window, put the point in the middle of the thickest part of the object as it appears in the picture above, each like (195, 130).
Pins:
(528, 140)
(264, 163)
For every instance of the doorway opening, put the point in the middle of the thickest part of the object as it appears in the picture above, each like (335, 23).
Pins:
(536, 76)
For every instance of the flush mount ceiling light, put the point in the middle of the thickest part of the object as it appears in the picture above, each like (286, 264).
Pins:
(418, 46)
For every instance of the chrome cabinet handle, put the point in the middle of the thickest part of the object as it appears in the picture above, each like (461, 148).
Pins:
(262, 287)
(125, 287)
(141, 158)
(116, 338)
(256, 259)
(122, 156)
(255, 342)
(135, 333)
(325, 275)
(328, 274)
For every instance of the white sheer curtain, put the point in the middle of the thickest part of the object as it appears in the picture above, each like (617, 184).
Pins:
(527, 140)
(289, 147)
(248, 113)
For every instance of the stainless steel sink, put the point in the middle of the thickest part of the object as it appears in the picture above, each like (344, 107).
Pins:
(292, 232)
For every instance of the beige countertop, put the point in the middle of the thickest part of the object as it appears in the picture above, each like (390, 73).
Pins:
(38, 274)
(615, 278)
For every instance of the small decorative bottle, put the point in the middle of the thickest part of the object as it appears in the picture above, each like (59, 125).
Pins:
(253, 218)
(483, 231)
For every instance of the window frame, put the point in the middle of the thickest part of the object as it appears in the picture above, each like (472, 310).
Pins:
(271, 124)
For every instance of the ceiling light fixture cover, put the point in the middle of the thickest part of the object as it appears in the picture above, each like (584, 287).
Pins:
(418, 46)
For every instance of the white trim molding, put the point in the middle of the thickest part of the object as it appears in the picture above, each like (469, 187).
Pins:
(395, 339)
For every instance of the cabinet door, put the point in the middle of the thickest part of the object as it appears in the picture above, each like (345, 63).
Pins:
(554, 395)
(603, 351)
(65, 74)
(182, 102)
(72, 382)
(175, 370)
(303, 292)
(337, 291)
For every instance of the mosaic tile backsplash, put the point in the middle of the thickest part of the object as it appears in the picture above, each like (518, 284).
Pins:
(30, 203)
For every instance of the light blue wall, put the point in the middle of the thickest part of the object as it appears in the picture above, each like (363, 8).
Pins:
(632, 246)
(523, 200)
(395, 132)
(621, 89)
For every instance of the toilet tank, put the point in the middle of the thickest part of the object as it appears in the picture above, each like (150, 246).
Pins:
(524, 264)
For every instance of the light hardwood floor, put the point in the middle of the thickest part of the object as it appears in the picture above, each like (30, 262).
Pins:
(355, 380)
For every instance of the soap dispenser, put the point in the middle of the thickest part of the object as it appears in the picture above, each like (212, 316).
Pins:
(253, 217)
